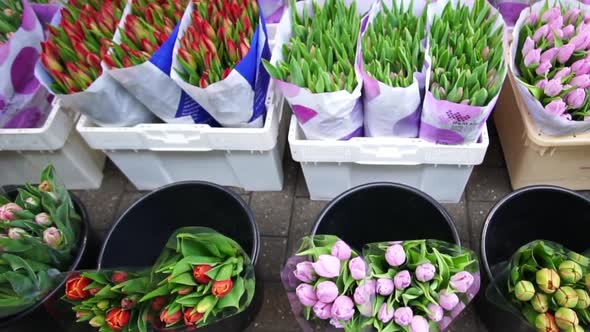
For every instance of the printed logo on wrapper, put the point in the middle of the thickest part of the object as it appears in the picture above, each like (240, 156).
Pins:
(239, 100)
(150, 82)
(105, 101)
(24, 102)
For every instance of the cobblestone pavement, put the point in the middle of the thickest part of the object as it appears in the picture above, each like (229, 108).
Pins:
(283, 217)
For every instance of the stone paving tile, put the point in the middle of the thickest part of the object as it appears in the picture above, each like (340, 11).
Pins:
(478, 212)
(275, 314)
(272, 256)
(305, 213)
(102, 204)
(301, 190)
(494, 155)
(458, 212)
(488, 184)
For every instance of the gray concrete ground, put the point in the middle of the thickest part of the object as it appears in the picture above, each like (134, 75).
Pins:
(284, 217)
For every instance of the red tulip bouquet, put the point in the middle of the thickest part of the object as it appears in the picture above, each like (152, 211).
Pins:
(467, 43)
(313, 64)
(546, 285)
(39, 236)
(140, 59)
(201, 277)
(549, 59)
(70, 65)
(393, 45)
(414, 286)
(23, 102)
(216, 60)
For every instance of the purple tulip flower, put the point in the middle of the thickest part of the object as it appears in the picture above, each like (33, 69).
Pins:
(343, 308)
(547, 56)
(565, 52)
(436, 312)
(568, 31)
(425, 272)
(323, 310)
(581, 81)
(326, 291)
(448, 300)
(553, 87)
(419, 324)
(543, 68)
(533, 57)
(306, 295)
(556, 107)
(327, 266)
(542, 83)
(528, 45)
(461, 281)
(575, 99)
(562, 73)
(385, 315)
(541, 33)
(403, 316)
(358, 268)
(385, 286)
(581, 67)
(341, 250)
(304, 272)
(402, 280)
(551, 14)
(395, 255)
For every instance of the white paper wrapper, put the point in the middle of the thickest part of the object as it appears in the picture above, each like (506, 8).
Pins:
(105, 101)
(24, 103)
(547, 123)
(445, 122)
(150, 82)
(239, 99)
(322, 116)
(391, 111)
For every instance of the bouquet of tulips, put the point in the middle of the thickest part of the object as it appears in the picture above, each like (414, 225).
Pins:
(140, 59)
(415, 286)
(70, 65)
(549, 60)
(216, 60)
(467, 69)
(393, 48)
(547, 285)
(23, 102)
(201, 277)
(313, 64)
(39, 235)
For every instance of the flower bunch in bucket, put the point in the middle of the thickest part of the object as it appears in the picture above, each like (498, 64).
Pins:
(145, 29)
(548, 286)
(392, 65)
(314, 66)
(219, 49)
(415, 286)
(109, 300)
(552, 67)
(39, 236)
(75, 48)
(200, 278)
(467, 70)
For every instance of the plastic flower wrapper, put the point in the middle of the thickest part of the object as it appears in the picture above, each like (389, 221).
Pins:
(216, 60)
(314, 64)
(45, 10)
(273, 9)
(108, 300)
(327, 286)
(545, 284)
(421, 285)
(205, 277)
(510, 9)
(392, 62)
(549, 60)
(39, 234)
(70, 64)
(141, 57)
(24, 103)
(465, 58)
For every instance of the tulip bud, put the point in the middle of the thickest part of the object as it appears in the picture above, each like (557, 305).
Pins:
(395, 255)
(45, 186)
(82, 315)
(546, 322)
(129, 302)
(97, 321)
(569, 271)
(43, 219)
(119, 277)
(540, 302)
(206, 304)
(103, 305)
(583, 299)
(547, 280)
(425, 272)
(566, 318)
(7, 211)
(52, 237)
(566, 297)
(16, 233)
(524, 290)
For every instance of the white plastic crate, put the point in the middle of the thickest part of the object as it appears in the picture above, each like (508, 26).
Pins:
(332, 167)
(153, 155)
(25, 152)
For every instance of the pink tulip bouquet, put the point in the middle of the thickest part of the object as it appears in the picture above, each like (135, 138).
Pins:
(39, 236)
(549, 57)
(24, 103)
(414, 286)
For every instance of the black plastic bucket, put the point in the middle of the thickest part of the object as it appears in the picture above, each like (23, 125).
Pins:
(45, 315)
(139, 235)
(532, 213)
(378, 212)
